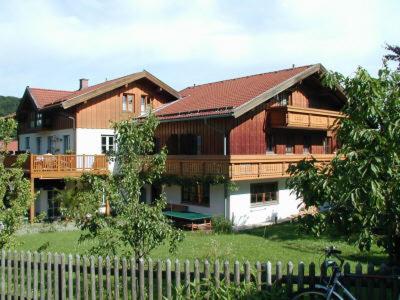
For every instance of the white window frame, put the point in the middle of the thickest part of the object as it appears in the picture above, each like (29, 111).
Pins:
(107, 146)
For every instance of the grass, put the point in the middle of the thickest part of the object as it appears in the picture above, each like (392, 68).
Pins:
(280, 242)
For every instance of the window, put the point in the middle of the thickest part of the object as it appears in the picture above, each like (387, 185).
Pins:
(307, 145)
(36, 120)
(66, 143)
(127, 102)
(263, 193)
(196, 194)
(38, 145)
(124, 103)
(187, 144)
(50, 144)
(27, 143)
(107, 143)
(53, 210)
(270, 143)
(143, 104)
(289, 145)
(130, 102)
(283, 99)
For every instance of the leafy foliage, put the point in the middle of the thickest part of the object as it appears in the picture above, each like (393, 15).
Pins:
(209, 289)
(361, 185)
(15, 192)
(135, 228)
(394, 55)
(8, 105)
(171, 179)
(220, 224)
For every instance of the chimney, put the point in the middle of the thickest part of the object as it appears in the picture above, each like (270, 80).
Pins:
(83, 83)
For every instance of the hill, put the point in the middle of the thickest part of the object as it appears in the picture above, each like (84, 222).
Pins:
(8, 105)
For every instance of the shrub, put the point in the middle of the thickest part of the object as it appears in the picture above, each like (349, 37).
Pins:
(222, 225)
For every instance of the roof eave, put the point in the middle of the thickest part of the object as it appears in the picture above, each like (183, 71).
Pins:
(134, 77)
(249, 105)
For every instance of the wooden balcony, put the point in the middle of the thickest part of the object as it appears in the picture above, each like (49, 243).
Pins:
(62, 166)
(305, 118)
(237, 167)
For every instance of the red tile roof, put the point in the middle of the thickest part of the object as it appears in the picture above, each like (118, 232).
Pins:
(12, 146)
(43, 97)
(222, 97)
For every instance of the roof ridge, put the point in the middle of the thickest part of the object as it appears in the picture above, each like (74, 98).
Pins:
(246, 76)
(51, 90)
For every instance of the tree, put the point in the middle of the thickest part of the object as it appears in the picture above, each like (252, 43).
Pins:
(394, 56)
(15, 190)
(135, 228)
(362, 183)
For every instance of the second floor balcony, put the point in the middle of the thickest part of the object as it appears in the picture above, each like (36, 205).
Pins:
(238, 167)
(302, 117)
(62, 166)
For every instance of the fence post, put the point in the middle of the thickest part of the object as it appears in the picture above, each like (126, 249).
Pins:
(29, 275)
(141, 279)
(77, 277)
(197, 274)
(159, 280)
(168, 275)
(358, 281)
(108, 278)
(42, 284)
(289, 279)
(22, 264)
(35, 275)
(382, 286)
(3, 274)
(63, 294)
(300, 276)
(85, 279)
(150, 278)
(268, 270)
(227, 274)
(258, 277)
(100, 277)
(177, 275)
(93, 277)
(236, 273)
(311, 272)
(49, 273)
(216, 274)
(279, 273)
(15, 258)
(133, 278)
(70, 277)
(124, 279)
(187, 278)
(116, 277)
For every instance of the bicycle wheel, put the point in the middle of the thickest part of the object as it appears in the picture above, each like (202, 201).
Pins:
(313, 294)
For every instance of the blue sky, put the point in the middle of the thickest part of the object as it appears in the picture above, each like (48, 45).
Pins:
(52, 44)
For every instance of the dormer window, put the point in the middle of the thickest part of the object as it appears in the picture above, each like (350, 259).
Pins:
(283, 99)
(36, 120)
(127, 102)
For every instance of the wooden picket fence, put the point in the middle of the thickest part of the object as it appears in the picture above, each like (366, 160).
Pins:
(25, 275)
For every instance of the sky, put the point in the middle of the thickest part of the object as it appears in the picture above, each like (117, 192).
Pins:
(51, 44)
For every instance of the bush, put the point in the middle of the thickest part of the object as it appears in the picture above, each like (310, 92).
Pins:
(222, 225)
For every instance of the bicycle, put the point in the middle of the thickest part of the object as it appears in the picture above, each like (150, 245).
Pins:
(327, 290)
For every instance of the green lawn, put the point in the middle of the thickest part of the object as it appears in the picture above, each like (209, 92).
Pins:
(281, 243)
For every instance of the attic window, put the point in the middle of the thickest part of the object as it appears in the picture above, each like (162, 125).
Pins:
(283, 99)
(36, 120)
(127, 102)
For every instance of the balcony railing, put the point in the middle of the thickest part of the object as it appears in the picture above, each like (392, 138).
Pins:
(61, 166)
(237, 167)
(67, 165)
(300, 117)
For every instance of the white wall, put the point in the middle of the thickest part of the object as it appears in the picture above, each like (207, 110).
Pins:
(44, 135)
(174, 195)
(89, 140)
(244, 214)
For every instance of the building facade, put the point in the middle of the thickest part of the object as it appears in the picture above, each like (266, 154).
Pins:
(247, 129)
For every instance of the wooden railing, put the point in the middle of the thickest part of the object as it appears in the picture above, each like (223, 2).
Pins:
(60, 166)
(237, 167)
(300, 117)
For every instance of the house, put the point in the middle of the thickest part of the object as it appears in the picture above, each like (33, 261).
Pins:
(248, 129)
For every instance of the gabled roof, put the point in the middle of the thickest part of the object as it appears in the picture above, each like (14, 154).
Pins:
(46, 98)
(233, 97)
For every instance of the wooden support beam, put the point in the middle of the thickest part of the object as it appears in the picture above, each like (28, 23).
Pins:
(32, 208)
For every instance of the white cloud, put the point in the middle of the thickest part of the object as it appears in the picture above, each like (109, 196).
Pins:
(107, 38)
